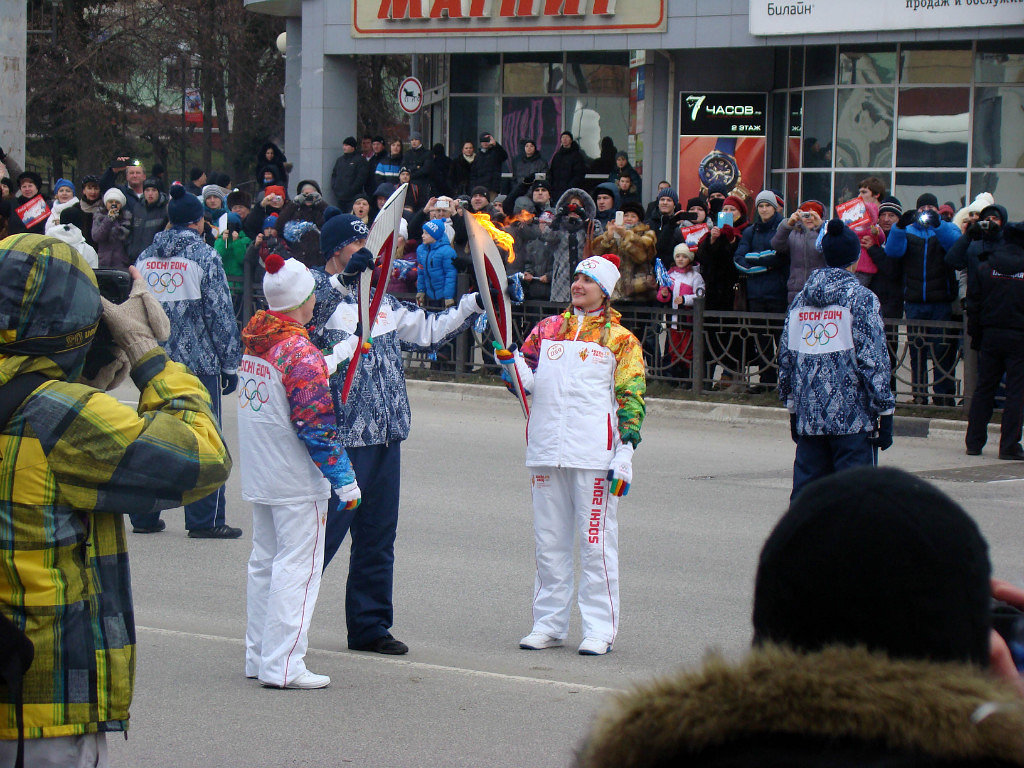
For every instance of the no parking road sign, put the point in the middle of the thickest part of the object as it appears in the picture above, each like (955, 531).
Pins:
(410, 95)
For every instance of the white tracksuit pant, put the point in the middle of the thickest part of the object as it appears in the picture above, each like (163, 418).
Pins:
(569, 503)
(284, 581)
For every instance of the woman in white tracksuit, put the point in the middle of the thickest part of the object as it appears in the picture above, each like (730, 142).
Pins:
(586, 376)
(291, 461)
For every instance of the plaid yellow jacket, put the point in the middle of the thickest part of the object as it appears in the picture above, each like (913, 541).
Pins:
(73, 461)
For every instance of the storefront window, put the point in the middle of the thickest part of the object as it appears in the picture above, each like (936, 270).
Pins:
(538, 118)
(478, 73)
(592, 118)
(864, 128)
(947, 187)
(468, 117)
(817, 125)
(1003, 186)
(821, 65)
(931, 131)
(781, 77)
(999, 61)
(602, 74)
(533, 74)
(867, 67)
(817, 186)
(796, 67)
(950, 64)
(998, 133)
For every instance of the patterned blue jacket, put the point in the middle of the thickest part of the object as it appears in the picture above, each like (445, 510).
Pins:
(833, 360)
(378, 410)
(187, 278)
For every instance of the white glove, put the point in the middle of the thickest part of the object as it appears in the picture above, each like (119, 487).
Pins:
(620, 470)
(349, 495)
(342, 352)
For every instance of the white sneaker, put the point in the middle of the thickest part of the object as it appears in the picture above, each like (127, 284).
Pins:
(538, 641)
(304, 681)
(591, 646)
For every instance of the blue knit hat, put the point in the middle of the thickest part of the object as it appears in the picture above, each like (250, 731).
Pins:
(270, 222)
(435, 228)
(296, 228)
(340, 230)
(183, 208)
(669, 192)
(63, 183)
(839, 245)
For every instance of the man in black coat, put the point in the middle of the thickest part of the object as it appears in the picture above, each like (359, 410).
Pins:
(486, 170)
(995, 305)
(349, 175)
(568, 167)
(420, 162)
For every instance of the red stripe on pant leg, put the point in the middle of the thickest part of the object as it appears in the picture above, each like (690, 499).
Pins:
(305, 594)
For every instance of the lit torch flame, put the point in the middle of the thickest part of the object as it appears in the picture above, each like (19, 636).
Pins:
(502, 239)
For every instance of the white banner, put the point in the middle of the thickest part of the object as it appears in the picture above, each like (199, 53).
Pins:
(797, 17)
(815, 331)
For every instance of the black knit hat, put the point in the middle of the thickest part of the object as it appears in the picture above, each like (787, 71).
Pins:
(890, 204)
(927, 199)
(697, 202)
(183, 208)
(840, 245)
(880, 558)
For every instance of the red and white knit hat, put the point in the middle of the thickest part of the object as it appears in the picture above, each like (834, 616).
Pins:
(287, 284)
(603, 270)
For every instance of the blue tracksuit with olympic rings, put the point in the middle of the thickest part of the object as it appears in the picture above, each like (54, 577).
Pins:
(834, 371)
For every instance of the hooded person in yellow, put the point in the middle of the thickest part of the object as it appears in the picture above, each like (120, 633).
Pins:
(74, 462)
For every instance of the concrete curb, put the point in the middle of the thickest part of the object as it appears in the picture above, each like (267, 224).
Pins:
(737, 413)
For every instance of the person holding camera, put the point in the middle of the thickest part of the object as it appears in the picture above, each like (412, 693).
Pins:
(527, 164)
(569, 238)
(308, 205)
(797, 238)
(187, 277)
(872, 646)
(75, 461)
(112, 231)
(834, 367)
(995, 310)
(921, 239)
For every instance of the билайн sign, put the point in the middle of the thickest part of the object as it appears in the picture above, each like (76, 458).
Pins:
(506, 17)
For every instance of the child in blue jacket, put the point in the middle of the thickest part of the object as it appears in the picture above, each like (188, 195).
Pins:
(435, 282)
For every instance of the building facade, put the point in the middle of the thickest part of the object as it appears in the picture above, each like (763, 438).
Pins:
(804, 97)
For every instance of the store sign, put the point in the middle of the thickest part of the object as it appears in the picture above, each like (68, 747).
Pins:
(722, 143)
(782, 17)
(506, 17)
(723, 114)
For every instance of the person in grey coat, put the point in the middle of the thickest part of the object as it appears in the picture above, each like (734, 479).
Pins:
(797, 236)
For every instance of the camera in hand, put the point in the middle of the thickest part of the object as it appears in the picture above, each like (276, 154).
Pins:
(115, 286)
(1009, 623)
(986, 225)
(574, 208)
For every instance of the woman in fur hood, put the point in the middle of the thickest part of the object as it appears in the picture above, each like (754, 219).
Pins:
(872, 648)
(636, 245)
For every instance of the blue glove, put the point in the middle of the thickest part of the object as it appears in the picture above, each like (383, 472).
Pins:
(228, 383)
(792, 428)
(882, 439)
(360, 261)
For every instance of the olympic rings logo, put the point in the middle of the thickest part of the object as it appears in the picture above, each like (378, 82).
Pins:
(819, 333)
(165, 282)
(253, 395)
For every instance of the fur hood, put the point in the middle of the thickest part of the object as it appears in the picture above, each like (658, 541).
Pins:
(820, 707)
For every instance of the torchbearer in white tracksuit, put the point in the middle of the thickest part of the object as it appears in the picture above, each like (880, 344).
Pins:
(291, 460)
(585, 373)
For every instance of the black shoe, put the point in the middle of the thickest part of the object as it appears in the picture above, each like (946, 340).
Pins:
(974, 451)
(1015, 456)
(220, 532)
(158, 526)
(387, 645)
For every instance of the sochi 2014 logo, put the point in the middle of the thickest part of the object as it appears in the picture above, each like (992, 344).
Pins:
(555, 351)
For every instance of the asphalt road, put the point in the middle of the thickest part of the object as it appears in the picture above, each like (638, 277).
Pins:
(704, 497)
